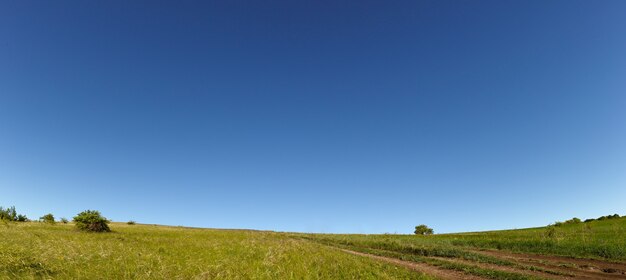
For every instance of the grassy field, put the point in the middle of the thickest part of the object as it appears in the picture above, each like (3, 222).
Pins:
(33, 250)
(41, 251)
(590, 250)
(605, 240)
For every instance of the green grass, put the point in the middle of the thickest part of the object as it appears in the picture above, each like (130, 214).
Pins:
(604, 240)
(41, 251)
(444, 264)
(598, 239)
(427, 255)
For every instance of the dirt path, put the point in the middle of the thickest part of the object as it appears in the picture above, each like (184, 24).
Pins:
(581, 268)
(506, 268)
(424, 268)
(575, 268)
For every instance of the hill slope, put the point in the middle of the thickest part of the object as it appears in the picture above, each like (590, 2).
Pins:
(36, 250)
(594, 250)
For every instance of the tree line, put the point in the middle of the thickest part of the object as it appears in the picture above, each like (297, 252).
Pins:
(88, 220)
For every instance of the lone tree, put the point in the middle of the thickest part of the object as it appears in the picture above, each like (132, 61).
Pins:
(47, 218)
(423, 230)
(91, 220)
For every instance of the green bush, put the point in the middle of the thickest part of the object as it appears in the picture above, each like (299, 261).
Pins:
(423, 230)
(573, 221)
(8, 214)
(131, 222)
(91, 220)
(550, 232)
(64, 220)
(47, 218)
(614, 216)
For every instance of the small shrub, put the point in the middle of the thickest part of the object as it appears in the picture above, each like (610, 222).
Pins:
(573, 221)
(91, 220)
(551, 232)
(21, 218)
(47, 218)
(608, 217)
(131, 222)
(557, 224)
(423, 230)
(589, 220)
(64, 220)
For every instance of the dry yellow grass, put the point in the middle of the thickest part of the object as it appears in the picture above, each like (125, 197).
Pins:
(40, 251)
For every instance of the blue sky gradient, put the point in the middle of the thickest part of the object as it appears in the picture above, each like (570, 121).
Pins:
(317, 116)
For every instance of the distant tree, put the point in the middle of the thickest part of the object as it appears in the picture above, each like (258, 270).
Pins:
(47, 218)
(614, 216)
(423, 230)
(131, 222)
(64, 220)
(8, 214)
(91, 220)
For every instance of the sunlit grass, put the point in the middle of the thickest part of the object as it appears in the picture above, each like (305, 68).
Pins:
(598, 239)
(37, 250)
(34, 250)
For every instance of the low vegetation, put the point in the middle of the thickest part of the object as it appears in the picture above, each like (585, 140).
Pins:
(470, 253)
(602, 218)
(47, 218)
(91, 220)
(43, 250)
(599, 239)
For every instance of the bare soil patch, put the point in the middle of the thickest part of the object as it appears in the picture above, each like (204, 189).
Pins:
(424, 268)
(581, 268)
(506, 268)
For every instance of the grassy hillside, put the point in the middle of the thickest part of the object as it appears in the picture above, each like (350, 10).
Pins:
(37, 251)
(597, 239)
(592, 250)
(33, 250)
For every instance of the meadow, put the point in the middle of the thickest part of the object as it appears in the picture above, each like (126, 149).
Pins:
(589, 250)
(34, 250)
(37, 250)
(603, 240)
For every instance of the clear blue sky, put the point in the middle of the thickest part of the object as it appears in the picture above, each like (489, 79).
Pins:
(324, 116)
